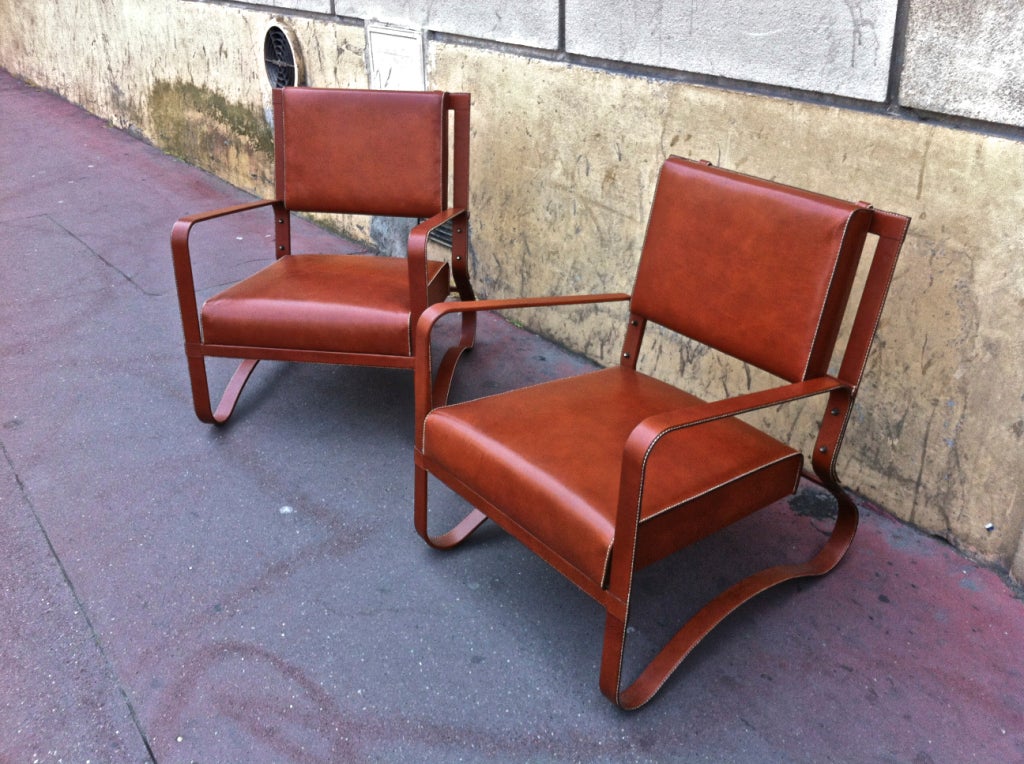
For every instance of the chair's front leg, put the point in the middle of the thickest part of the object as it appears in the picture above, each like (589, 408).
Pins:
(429, 395)
(201, 389)
(612, 650)
(453, 537)
(623, 566)
(184, 282)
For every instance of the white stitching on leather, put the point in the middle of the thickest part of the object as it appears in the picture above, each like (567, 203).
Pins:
(722, 485)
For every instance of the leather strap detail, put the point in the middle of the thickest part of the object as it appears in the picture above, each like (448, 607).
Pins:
(664, 664)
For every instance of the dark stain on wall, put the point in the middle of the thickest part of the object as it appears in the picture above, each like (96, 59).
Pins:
(205, 129)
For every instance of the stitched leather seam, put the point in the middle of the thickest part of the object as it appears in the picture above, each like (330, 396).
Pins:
(607, 569)
(735, 479)
(442, 164)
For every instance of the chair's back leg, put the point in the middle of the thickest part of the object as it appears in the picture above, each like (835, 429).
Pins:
(234, 389)
(664, 664)
(201, 389)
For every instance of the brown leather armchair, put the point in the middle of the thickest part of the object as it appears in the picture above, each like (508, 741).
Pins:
(342, 151)
(605, 473)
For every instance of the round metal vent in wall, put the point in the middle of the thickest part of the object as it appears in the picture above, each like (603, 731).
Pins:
(284, 66)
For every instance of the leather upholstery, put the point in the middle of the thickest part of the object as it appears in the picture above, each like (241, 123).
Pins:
(343, 303)
(362, 151)
(731, 273)
(553, 454)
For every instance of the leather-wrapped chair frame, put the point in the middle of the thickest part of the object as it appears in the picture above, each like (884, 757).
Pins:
(607, 472)
(363, 152)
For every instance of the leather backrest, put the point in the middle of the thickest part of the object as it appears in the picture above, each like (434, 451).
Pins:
(755, 269)
(361, 151)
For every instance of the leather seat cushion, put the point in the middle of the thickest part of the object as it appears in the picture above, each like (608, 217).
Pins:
(550, 457)
(340, 303)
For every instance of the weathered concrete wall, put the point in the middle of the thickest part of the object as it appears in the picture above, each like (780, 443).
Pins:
(564, 161)
(185, 78)
(524, 22)
(829, 47)
(189, 78)
(966, 59)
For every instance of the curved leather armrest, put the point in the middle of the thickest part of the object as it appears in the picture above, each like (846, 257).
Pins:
(646, 434)
(418, 235)
(645, 437)
(416, 255)
(199, 217)
(183, 227)
(444, 308)
(182, 259)
(429, 317)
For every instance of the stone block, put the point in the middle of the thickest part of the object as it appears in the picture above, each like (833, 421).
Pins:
(532, 23)
(966, 59)
(835, 48)
(313, 6)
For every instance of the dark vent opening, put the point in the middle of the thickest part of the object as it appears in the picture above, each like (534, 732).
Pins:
(280, 59)
(442, 234)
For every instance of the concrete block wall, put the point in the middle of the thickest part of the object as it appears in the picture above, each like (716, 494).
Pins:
(836, 48)
(954, 58)
(966, 59)
(532, 23)
(914, 106)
